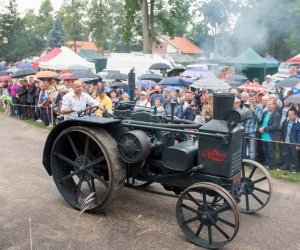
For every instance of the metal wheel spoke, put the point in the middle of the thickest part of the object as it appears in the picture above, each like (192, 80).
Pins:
(256, 198)
(190, 220)
(72, 145)
(223, 209)
(199, 229)
(259, 180)
(215, 200)
(66, 159)
(204, 197)
(93, 163)
(252, 172)
(106, 184)
(86, 146)
(261, 190)
(247, 201)
(209, 235)
(226, 222)
(78, 187)
(193, 199)
(222, 231)
(189, 208)
(243, 171)
(70, 175)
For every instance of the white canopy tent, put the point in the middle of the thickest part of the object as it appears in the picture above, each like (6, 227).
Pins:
(66, 59)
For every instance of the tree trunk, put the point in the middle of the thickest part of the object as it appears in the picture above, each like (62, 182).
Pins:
(147, 46)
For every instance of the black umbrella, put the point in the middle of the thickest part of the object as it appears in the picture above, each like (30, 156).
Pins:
(117, 76)
(288, 83)
(153, 77)
(118, 85)
(23, 72)
(85, 74)
(237, 78)
(161, 66)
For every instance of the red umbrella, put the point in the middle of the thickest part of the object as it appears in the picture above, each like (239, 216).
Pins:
(5, 78)
(253, 87)
(67, 76)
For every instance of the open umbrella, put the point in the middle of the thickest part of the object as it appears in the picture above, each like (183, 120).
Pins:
(5, 73)
(23, 72)
(117, 76)
(198, 73)
(24, 66)
(118, 85)
(253, 87)
(238, 78)
(293, 99)
(212, 84)
(161, 66)
(146, 84)
(67, 76)
(12, 70)
(5, 78)
(174, 81)
(46, 74)
(85, 74)
(289, 82)
(151, 76)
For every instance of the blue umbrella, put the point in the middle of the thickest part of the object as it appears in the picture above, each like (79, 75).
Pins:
(5, 73)
(24, 66)
(151, 76)
(146, 84)
(175, 81)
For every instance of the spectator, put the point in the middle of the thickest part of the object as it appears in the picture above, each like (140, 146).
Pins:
(264, 101)
(143, 100)
(104, 100)
(12, 90)
(269, 84)
(159, 107)
(43, 103)
(269, 132)
(285, 111)
(177, 107)
(31, 97)
(155, 95)
(22, 99)
(188, 112)
(198, 117)
(290, 133)
(251, 126)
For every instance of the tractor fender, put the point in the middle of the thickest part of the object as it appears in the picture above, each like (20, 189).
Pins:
(111, 125)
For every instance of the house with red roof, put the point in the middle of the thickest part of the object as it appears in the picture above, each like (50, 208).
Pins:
(82, 45)
(175, 46)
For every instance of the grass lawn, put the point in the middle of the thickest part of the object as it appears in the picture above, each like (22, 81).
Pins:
(285, 175)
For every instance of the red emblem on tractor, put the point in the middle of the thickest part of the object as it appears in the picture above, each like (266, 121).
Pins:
(214, 155)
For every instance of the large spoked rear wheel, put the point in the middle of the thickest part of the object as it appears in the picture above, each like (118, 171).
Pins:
(256, 187)
(86, 168)
(208, 215)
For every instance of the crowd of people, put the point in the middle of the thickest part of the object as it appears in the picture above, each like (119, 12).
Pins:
(274, 121)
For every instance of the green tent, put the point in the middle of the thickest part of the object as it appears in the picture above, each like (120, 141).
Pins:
(93, 56)
(252, 64)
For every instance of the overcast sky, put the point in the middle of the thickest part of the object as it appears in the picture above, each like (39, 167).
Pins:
(35, 4)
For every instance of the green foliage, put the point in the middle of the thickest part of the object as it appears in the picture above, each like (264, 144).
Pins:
(44, 20)
(56, 35)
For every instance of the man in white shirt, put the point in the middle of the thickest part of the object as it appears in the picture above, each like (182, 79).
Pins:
(269, 84)
(76, 101)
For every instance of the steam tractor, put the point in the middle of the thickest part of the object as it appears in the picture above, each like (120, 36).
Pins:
(92, 158)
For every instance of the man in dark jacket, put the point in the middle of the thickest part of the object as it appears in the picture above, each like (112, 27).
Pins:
(290, 133)
(22, 97)
(269, 132)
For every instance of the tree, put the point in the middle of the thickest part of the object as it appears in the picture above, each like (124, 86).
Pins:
(56, 35)
(44, 20)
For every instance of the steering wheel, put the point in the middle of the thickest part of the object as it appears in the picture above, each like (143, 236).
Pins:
(87, 111)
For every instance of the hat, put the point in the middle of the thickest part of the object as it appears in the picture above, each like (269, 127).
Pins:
(100, 90)
(143, 93)
(268, 76)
